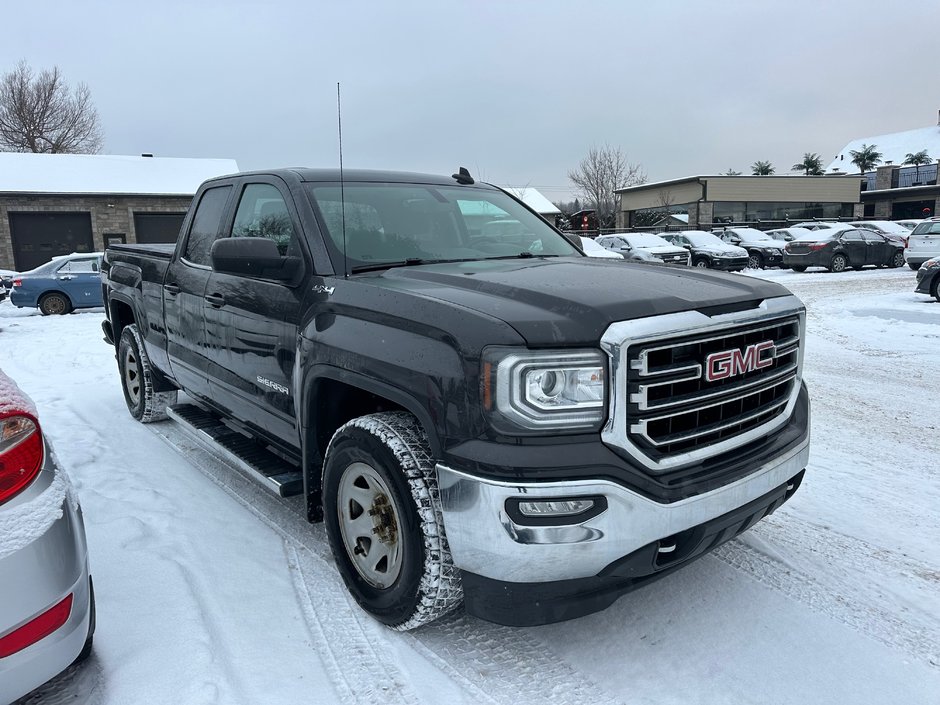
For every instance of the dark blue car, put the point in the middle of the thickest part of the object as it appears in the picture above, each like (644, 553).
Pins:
(59, 286)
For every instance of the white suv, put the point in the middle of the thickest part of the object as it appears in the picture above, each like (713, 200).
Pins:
(923, 244)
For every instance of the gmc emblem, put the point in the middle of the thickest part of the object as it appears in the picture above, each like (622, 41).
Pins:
(731, 363)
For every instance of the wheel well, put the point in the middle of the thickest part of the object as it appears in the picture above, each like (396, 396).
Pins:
(122, 315)
(54, 291)
(335, 403)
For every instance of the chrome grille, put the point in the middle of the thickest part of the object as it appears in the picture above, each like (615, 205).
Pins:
(667, 414)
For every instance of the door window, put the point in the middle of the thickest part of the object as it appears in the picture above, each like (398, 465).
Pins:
(262, 212)
(79, 266)
(873, 237)
(852, 236)
(207, 224)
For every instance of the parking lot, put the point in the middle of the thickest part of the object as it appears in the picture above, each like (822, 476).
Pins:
(212, 590)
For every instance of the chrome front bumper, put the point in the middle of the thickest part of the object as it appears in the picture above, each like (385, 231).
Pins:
(485, 541)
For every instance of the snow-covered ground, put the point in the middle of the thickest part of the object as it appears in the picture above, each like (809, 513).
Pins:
(210, 590)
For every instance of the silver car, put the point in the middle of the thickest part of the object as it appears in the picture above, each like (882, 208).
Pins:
(47, 603)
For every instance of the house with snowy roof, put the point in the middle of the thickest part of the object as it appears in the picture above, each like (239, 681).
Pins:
(55, 204)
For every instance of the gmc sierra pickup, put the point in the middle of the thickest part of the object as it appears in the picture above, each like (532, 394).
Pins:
(479, 413)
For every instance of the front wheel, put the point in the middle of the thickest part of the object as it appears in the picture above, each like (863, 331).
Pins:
(142, 401)
(755, 260)
(897, 260)
(701, 262)
(384, 522)
(838, 263)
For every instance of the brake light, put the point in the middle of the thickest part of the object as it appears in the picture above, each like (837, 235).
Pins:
(40, 627)
(17, 282)
(20, 453)
(817, 246)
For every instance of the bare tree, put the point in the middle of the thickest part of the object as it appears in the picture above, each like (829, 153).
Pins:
(600, 173)
(39, 113)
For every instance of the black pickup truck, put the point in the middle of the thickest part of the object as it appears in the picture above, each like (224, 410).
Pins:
(479, 413)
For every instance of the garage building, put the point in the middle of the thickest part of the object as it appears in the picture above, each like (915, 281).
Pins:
(56, 204)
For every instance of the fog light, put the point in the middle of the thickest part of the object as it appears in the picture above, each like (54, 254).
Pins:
(556, 511)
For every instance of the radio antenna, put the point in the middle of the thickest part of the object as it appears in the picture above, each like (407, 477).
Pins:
(342, 190)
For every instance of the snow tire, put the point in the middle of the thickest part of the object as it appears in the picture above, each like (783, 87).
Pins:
(394, 446)
(145, 404)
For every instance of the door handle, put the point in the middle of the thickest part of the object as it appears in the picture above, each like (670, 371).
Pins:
(216, 300)
(65, 278)
(171, 289)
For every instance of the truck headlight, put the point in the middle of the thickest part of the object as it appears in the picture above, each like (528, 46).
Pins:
(551, 390)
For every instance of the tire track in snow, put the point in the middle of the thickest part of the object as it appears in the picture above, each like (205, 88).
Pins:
(360, 673)
(491, 663)
(835, 601)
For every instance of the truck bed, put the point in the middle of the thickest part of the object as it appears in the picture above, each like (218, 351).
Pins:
(160, 250)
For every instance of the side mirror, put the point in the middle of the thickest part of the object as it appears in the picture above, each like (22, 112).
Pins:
(253, 257)
(688, 247)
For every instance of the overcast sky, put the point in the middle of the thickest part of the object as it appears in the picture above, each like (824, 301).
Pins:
(516, 91)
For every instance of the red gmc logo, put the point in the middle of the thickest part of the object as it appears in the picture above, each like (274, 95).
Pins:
(730, 363)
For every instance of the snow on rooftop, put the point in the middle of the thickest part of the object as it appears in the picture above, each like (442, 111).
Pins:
(893, 147)
(533, 199)
(106, 173)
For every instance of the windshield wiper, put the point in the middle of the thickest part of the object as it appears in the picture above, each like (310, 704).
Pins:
(525, 254)
(409, 262)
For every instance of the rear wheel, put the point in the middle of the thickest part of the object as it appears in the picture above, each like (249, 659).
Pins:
(144, 403)
(798, 268)
(897, 260)
(383, 519)
(838, 263)
(54, 304)
(913, 266)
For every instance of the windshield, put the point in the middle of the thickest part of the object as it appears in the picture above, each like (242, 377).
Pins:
(389, 223)
(704, 239)
(644, 240)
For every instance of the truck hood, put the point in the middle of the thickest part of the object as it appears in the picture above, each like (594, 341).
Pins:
(568, 301)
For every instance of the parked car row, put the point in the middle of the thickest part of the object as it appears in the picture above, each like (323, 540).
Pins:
(762, 249)
(645, 247)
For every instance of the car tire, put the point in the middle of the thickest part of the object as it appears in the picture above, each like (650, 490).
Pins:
(755, 260)
(838, 263)
(379, 477)
(145, 404)
(701, 262)
(897, 260)
(798, 268)
(936, 288)
(915, 267)
(54, 304)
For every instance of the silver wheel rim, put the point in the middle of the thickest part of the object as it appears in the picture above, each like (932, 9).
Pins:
(838, 264)
(702, 263)
(369, 524)
(131, 376)
(753, 262)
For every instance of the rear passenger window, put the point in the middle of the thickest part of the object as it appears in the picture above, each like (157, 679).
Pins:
(79, 266)
(874, 237)
(207, 225)
(262, 212)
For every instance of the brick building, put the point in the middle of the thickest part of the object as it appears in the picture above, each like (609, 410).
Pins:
(55, 204)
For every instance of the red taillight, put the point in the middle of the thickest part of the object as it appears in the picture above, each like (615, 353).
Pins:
(36, 629)
(817, 246)
(20, 453)
(17, 282)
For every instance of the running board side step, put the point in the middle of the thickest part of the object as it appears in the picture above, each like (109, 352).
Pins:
(248, 455)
